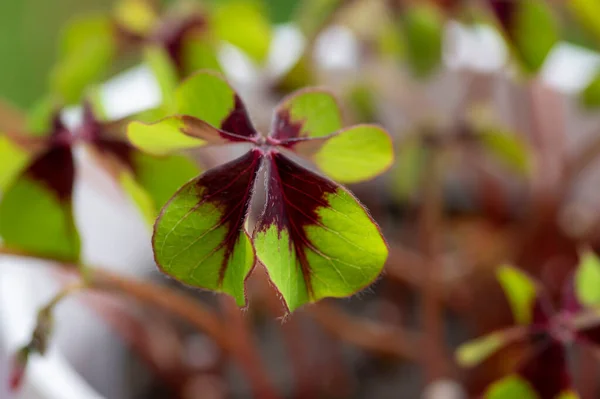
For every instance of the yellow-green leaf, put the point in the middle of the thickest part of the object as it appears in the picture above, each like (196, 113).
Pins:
(474, 352)
(356, 154)
(244, 24)
(511, 387)
(587, 279)
(88, 47)
(520, 291)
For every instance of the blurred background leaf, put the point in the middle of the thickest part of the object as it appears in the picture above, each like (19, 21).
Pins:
(29, 33)
(30, 30)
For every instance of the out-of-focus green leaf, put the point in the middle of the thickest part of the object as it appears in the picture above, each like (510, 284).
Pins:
(162, 176)
(41, 116)
(590, 97)
(507, 148)
(13, 159)
(311, 14)
(244, 24)
(199, 52)
(588, 13)
(137, 16)
(165, 73)
(520, 291)
(389, 43)
(474, 352)
(300, 75)
(87, 48)
(423, 28)
(356, 154)
(362, 100)
(587, 279)
(36, 212)
(535, 32)
(511, 387)
(407, 169)
(281, 11)
(140, 197)
(568, 395)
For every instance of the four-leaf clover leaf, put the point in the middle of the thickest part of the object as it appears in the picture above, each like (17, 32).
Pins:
(313, 236)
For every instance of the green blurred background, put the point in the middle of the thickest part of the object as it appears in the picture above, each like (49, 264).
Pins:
(29, 30)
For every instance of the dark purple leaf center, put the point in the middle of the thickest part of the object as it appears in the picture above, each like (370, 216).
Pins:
(229, 188)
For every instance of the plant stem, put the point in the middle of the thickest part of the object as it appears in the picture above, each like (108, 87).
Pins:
(433, 356)
(176, 304)
(372, 336)
(241, 338)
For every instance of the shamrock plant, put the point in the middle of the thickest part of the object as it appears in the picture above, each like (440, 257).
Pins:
(175, 41)
(38, 175)
(542, 371)
(313, 236)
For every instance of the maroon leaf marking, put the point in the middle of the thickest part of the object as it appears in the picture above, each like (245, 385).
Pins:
(542, 310)
(283, 127)
(547, 370)
(55, 169)
(505, 11)
(97, 133)
(589, 335)
(294, 194)
(238, 122)
(229, 187)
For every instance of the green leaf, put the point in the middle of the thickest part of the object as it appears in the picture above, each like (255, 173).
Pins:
(535, 32)
(423, 27)
(244, 24)
(164, 71)
(362, 99)
(162, 176)
(207, 96)
(588, 14)
(568, 395)
(314, 237)
(88, 47)
(587, 279)
(281, 11)
(307, 113)
(509, 388)
(137, 16)
(474, 352)
(590, 97)
(141, 198)
(520, 291)
(200, 239)
(507, 148)
(199, 52)
(36, 212)
(408, 168)
(40, 118)
(13, 159)
(356, 154)
(169, 135)
(312, 14)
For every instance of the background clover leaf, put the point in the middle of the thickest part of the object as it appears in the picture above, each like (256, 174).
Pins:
(36, 214)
